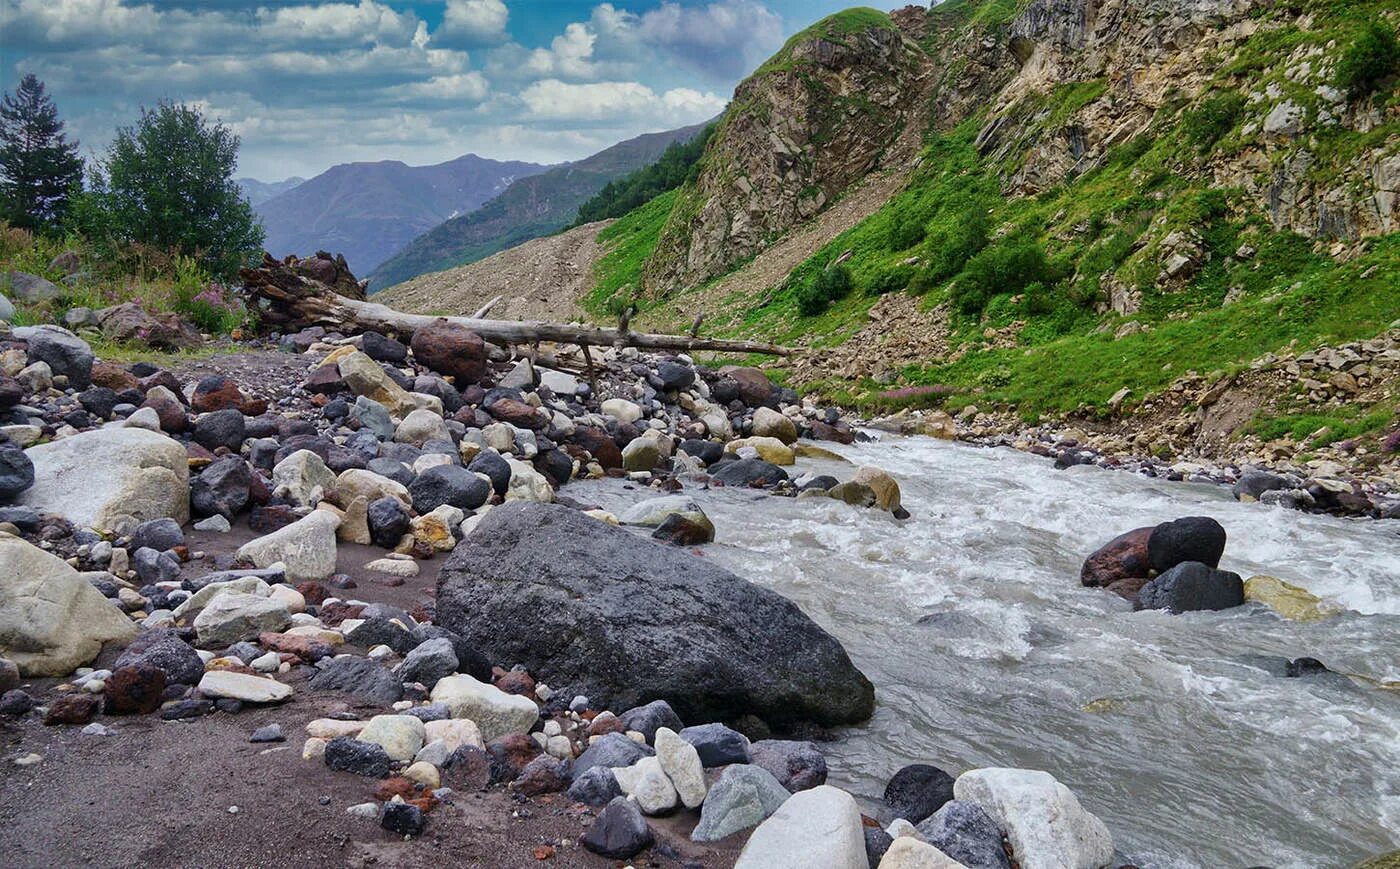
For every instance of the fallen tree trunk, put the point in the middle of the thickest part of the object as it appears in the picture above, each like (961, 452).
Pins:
(288, 301)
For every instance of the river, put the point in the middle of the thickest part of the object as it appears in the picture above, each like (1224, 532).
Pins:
(1180, 732)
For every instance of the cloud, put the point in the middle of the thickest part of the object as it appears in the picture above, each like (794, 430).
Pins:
(552, 99)
(474, 22)
(568, 54)
(725, 39)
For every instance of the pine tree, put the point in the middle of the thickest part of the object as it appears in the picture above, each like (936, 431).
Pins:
(38, 165)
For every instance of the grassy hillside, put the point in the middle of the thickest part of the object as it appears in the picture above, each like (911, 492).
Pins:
(531, 207)
(1025, 281)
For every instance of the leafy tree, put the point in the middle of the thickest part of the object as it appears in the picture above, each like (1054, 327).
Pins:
(829, 285)
(168, 182)
(676, 165)
(38, 165)
(1371, 58)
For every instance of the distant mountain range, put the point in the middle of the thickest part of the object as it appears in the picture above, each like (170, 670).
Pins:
(369, 211)
(531, 207)
(258, 192)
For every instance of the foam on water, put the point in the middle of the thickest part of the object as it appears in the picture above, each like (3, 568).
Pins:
(1179, 731)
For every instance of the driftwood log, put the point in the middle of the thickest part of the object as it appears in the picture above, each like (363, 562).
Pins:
(286, 300)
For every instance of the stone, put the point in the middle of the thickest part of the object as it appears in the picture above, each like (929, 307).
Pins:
(527, 484)
(399, 735)
(769, 450)
(9, 675)
(365, 680)
(243, 687)
(543, 775)
(622, 410)
(383, 630)
(228, 618)
(818, 827)
(364, 377)
(421, 426)
(496, 468)
(595, 787)
(388, 521)
(1288, 600)
(652, 512)
(66, 354)
(423, 773)
(647, 719)
(454, 733)
(137, 689)
(798, 765)
(303, 478)
(681, 763)
(222, 488)
(52, 620)
(111, 478)
(15, 703)
(506, 592)
(428, 662)
(748, 472)
(906, 852)
(16, 470)
(917, 791)
(1123, 557)
(1041, 818)
(717, 745)
(450, 349)
(448, 484)
(647, 783)
(1254, 483)
(306, 547)
(494, 711)
(742, 797)
(347, 754)
(216, 392)
(966, 833)
(76, 708)
(221, 428)
(1194, 538)
(619, 832)
(164, 650)
(769, 423)
(381, 348)
(882, 484)
(1192, 586)
(641, 454)
(268, 733)
(609, 751)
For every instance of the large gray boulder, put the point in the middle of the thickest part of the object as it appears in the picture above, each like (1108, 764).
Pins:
(52, 620)
(112, 478)
(64, 352)
(626, 621)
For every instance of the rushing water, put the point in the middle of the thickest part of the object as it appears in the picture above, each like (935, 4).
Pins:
(1197, 751)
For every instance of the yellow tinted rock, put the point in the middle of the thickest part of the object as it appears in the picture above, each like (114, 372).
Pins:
(1289, 601)
(770, 450)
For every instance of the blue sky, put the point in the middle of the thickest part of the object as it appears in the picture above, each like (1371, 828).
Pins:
(308, 84)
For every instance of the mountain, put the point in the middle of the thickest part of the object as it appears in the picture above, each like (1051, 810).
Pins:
(258, 192)
(531, 207)
(368, 211)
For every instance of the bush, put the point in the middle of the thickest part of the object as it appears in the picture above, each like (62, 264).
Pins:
(1038, 299)
(892, 281)
(1216, 115)
(827, 286)
(1009, 266)
(205, 302)
(955, 242)
(1371, 58)
(909, 228)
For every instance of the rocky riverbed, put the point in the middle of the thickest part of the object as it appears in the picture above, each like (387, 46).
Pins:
(348, 580)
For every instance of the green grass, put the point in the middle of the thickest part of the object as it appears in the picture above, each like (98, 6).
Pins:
(1345, 423)
(629, 242)
(833, 28)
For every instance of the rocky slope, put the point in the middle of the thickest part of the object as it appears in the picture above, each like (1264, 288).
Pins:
(531, 207)
(369, 211)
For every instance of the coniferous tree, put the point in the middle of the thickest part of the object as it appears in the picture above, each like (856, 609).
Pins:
(39, 167)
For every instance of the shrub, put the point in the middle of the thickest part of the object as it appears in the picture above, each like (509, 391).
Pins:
(830, 284)
(892, 281)
(908, 229)
(955, 242)
(1038, 299)
(1006, 267)
(205, 302)
(1371, 58)
(1216, 115)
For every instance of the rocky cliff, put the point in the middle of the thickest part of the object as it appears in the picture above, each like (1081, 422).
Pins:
(815, 118)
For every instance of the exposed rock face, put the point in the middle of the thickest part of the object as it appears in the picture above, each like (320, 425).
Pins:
(625, 621)
(810, 122)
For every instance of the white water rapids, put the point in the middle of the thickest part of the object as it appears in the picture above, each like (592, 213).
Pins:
(1200, 754)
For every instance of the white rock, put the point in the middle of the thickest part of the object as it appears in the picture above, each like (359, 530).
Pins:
(621, 409)
(112, 478)
(495, 712)
(241, 585)
(454, 733)
(231, 618)
(241, 686)
(358, 482)
(368, 811)
(682, 765)
(647, 783)
(330, 728)
(527, 484)
(817, 827)
(303, 478)
(421, 426)
(435, 752)
(424, 773)
(900, 827)
(216, 524)
(267, 663)
(306, 547)
(314, 748)
(293, 600)
(400, 735)
(143, 418)
(394, 567)
(910, 853)
(1042, 818)
(51, 619)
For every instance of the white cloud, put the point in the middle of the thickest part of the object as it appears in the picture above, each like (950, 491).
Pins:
(475, 22)
(469, 87)
(569, 54)
(729, 37)
(552, 99)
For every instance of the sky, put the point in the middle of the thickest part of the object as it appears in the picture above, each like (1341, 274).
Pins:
(308, 85)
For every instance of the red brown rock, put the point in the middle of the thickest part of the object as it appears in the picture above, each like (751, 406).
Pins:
(755, 389)
(305, 648)
(823, 432)
(216, 392)
(75, 708)
(1128, 588)
(398, 786)
(451, 349)
(113, 376)
(510, 754)
(324, 381)
(134, 690)
(265, 520)
(517, 413)
(333, 614)
(314, 592)
(1123, 557)
(600, 445)
(517, 682)
(611, 724)
(543, 775)
(171, 413)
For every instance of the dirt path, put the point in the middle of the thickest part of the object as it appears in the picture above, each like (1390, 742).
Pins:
(542, 279)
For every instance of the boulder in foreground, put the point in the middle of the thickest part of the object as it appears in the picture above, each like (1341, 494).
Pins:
(625, 621)
(112, 478)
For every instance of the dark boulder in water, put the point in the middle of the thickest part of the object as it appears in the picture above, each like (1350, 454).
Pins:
(1194, 538)
(1193, 586)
